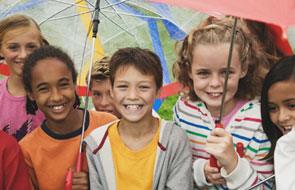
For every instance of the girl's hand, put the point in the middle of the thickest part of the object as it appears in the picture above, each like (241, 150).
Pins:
(80, 181)
(212, 174)
(220, 145)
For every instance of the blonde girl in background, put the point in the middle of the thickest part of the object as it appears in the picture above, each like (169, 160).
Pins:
(201, 66)
(19, 36)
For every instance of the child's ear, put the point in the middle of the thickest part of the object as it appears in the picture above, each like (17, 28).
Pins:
(159, 93)
(190, 74)
(244, 71)
(31, 96)
(112, 92)
(1, 55)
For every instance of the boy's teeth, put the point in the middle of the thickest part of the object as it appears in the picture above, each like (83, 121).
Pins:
(132, 107)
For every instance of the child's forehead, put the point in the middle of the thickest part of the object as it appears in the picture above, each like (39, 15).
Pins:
(14, 32)
(129, 71)
(51, 63)
(124, 68)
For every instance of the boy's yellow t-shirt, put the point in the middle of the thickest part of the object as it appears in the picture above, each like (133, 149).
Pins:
(134, 170)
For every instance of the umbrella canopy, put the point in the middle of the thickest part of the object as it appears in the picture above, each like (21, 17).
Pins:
(269, 11)
(278, 16)
(123, 23)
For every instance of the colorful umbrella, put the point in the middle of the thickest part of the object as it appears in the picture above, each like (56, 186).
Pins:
(122, 23)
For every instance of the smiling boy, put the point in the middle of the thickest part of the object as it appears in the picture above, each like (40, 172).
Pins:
(139, 151)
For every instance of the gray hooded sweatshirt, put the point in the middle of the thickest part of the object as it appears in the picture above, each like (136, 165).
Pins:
(173, 166)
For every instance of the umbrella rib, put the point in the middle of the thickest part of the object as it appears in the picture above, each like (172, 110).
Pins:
(143, 16)
(117, 24)
(49, 18)
(6, 11)
(69, 16)
(112, 5)
(136, 15)
(195, 15)
(72, 4)
(112, 37)
(89, 3)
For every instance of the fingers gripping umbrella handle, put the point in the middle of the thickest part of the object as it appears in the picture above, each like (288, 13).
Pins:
(70, 173)
(212, 160)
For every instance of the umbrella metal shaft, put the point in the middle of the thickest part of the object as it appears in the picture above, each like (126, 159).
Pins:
(261, 182)
(228, 68)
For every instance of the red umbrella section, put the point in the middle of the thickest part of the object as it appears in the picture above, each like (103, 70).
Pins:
(278, 15)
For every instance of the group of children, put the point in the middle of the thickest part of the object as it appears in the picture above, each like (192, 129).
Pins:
(126, 146)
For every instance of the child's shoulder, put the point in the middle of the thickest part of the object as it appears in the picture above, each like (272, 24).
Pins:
(3, 83)
(7, 141)
(101, 118)
(98, 135)
(170, 130)
(251, 107)
(30, 139)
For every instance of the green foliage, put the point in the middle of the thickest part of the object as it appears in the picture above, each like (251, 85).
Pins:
(2, 77)
(166, 109)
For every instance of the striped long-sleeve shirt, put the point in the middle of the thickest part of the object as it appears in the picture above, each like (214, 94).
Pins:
(245, 127)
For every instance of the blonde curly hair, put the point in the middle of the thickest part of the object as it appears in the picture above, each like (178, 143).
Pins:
(100, 69)
(215, 31)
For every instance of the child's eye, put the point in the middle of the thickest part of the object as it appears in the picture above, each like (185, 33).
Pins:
(224, 72)
(144, 87)
(32, 46)
(291, 106)
(272, 108)
(13, 47)
(203, 73)
(96, 94)
(43, 89)
(122, 86)
(64, 84)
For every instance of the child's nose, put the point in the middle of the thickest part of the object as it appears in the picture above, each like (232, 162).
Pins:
(132, 94)
(284, 115)
(215, 81)
(104, 101)
(55, 95)
(23, 53)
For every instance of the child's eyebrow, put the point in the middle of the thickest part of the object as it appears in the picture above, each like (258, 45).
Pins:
(288, 100)
(64, 80)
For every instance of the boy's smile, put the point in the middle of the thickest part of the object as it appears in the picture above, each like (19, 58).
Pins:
(134, 93)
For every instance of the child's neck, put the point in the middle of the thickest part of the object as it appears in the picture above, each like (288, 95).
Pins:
(228, 108)
(15, 86)
(72, 123)
(137, 135)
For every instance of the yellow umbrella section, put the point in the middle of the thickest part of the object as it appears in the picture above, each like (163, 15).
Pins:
(98, 51)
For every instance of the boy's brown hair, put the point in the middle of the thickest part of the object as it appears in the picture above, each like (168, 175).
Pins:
(146, 61)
